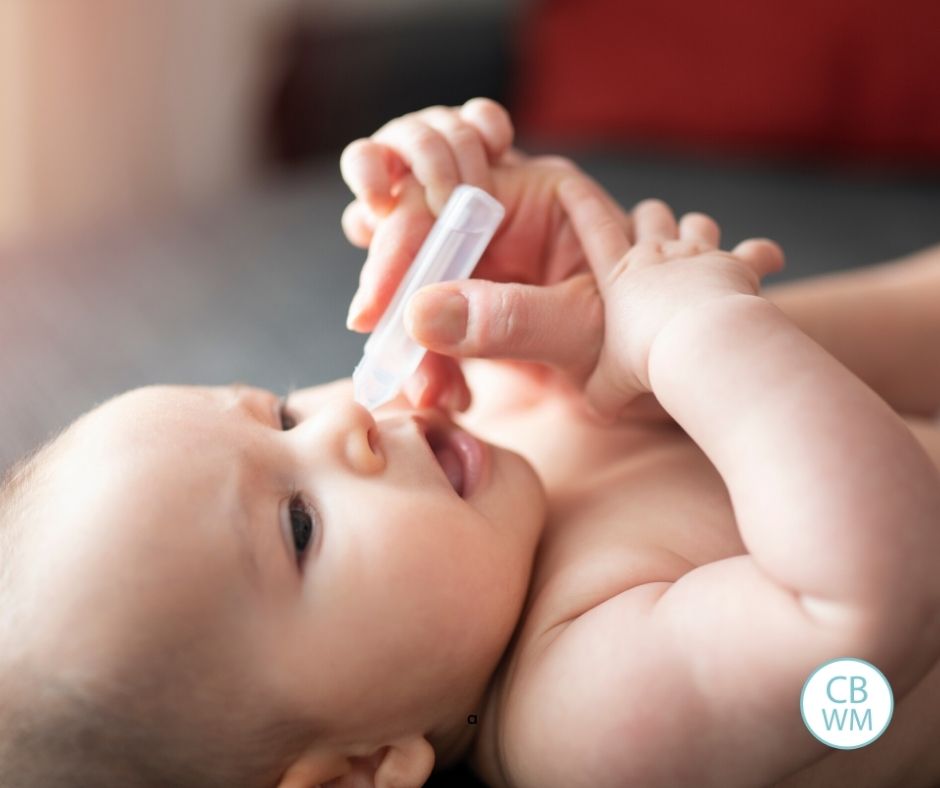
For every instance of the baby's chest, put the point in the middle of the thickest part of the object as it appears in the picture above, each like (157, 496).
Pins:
(627, 505)
(651, 517)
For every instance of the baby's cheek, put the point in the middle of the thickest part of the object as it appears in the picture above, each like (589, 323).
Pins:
(493, 585)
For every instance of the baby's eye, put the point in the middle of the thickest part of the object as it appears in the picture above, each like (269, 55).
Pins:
(288, 422)
(301, 524)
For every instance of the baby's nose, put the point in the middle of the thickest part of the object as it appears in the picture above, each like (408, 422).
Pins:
(361, 443)
(342, 426)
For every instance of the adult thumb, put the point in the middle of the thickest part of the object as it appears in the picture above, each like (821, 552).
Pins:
(561, 324)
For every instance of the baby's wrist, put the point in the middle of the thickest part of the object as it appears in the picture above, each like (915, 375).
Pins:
(688, 325)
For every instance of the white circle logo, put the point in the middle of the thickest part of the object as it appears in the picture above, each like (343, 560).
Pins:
(847, 703)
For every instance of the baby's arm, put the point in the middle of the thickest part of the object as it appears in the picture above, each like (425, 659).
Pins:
(838, 506)
(697, 679)
(881, 321)
(835, 499)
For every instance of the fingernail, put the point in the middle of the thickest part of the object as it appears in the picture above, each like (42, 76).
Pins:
(438, 318)
(356, 308)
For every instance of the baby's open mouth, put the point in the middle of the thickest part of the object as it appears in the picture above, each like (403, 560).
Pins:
(463, 458)
(449, 456)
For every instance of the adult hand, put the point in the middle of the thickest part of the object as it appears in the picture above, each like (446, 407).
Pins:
(535, 269)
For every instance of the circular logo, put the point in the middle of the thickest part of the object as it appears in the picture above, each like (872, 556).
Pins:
(846, 703)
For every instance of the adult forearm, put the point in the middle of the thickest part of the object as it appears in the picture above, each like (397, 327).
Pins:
(882, 322)
(834, 497)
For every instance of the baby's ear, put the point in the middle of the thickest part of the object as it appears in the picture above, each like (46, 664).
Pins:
(407, 763)
(312, 769)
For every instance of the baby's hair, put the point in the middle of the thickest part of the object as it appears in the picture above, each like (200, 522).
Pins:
(57, 734)
(59, 737)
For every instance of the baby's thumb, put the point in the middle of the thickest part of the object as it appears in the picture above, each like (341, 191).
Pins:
(761, 254)
(561, 324)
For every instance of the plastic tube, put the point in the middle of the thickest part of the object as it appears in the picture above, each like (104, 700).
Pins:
(450, 252)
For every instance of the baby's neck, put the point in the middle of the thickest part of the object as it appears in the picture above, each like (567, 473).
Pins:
(483, 755)
(453, 747)
(463, 741)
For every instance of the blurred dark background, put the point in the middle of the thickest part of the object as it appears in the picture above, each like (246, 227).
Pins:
(170, 194)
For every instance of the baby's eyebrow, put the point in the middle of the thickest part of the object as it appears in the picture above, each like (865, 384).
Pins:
(247, 398)
(239, 392)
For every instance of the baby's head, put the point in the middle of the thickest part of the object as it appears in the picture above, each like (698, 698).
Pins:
(191, 594)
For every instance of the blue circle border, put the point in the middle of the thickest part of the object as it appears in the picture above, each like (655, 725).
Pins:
(849, 659)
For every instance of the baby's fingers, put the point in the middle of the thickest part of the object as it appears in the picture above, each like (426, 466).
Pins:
(762, 255)
(654, 222)
(700, 229)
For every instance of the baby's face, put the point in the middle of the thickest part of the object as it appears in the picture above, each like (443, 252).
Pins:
(332, 565)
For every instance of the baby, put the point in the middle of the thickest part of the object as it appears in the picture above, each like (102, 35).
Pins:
(665, 507)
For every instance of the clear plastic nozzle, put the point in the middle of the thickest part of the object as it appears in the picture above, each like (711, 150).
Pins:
(450, 252)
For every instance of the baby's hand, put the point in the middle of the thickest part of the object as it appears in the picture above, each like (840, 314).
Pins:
(535, 265)
(665, 271)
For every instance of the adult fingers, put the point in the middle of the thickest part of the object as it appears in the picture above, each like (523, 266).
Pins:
(395, 243)
(492, 121)
(514, 156)
(438, 382)
(370, 169)
(358, 224)
(654, 222)
(701, 229)
(622, 217)
(466, 144)
(761, 254)
(600, 230)
(561, 325)
(428, 155)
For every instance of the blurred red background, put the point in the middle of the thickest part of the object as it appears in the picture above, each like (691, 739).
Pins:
(823, 78)
(112, 112)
